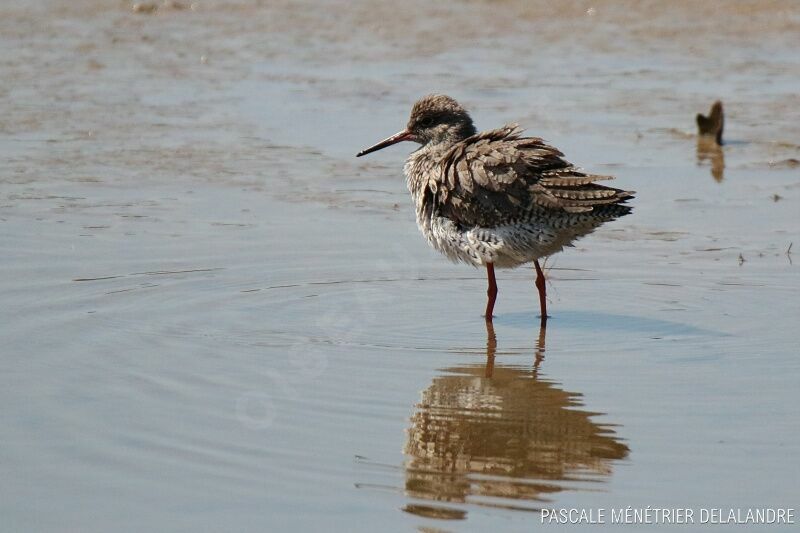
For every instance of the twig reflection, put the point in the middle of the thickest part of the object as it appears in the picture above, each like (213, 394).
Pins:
(709, 151)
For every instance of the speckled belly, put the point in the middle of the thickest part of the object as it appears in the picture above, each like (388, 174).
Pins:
(506, 246)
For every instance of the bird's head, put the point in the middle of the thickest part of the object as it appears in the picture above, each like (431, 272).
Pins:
(435, 119)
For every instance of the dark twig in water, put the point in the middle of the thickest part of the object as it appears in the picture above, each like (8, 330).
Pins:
(789, 253)
(713, 124)
(741, 259)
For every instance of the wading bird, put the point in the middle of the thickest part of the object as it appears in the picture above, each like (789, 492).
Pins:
(497, 198)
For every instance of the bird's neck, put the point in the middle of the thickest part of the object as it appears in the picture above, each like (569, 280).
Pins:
(461, 132)
(452, 135)
(424, 164)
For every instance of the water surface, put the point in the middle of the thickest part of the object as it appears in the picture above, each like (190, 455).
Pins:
(216, 318)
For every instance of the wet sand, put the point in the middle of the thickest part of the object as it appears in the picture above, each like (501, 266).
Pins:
(216, 318)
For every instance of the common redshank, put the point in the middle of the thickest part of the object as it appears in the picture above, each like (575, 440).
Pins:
(496, 198)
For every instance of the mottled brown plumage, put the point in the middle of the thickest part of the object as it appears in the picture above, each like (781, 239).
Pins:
(497, 177)
(497, 198)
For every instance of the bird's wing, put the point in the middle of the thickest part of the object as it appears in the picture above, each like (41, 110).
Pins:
(498, 177)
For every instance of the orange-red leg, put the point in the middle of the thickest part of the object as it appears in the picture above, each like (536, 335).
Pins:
(491, 292)
(540, 285)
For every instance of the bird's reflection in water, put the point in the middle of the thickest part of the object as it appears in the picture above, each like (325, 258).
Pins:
(709, 151)
(502, 436)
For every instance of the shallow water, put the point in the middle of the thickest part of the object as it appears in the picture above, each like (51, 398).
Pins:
(216, 318)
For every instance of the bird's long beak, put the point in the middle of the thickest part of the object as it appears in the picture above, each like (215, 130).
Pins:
(404, 135)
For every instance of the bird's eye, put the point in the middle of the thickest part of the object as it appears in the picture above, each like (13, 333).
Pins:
(426, 122)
